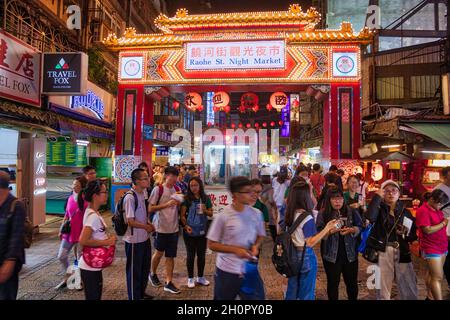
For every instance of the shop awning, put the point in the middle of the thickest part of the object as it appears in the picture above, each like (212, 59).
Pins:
(27, 126)
(390, 156)
(439, 132)
(82, 130)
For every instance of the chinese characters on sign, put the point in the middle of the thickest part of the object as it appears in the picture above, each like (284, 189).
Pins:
(20, 70)
(235, 55)
(219, 200)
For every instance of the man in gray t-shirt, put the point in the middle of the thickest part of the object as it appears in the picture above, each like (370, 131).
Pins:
(445, 186)
(165, 202)
(137, 243)
(236, 234)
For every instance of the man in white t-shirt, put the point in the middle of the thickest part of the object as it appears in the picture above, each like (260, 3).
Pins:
(165, 204)
(445, 186)
(236, 234)
(137, 243)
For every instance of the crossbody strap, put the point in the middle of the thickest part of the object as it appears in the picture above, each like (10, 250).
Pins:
(297, 222)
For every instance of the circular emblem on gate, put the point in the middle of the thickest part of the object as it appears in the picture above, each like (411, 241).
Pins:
(132, 67)
(345, 64)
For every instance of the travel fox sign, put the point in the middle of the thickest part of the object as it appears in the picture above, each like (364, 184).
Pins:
(235, 55)
(65, 73)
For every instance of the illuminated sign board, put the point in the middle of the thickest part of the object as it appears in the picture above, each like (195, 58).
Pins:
(235, 55)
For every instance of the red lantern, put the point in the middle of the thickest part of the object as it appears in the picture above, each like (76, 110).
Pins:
(280, 122)
(269, 107)
(227, 109)
(310, 91)
(175, 105)
(248, 125)
(216, 109)
(200, 108)
(221, 99)
(233, 126)
(193, 101)
(272, 124)
(240, 125)
(264, 124)
(278, 100)
(209, 124)
(256, 125)
(249, 101)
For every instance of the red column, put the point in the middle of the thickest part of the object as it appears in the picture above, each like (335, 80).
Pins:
(119, 119)
(356, 121)
(326, 148)
(148, 119)
(139, 121)
(334, 123)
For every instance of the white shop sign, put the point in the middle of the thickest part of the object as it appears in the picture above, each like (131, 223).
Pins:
(219, 199)
(235, 55)
(20, 71)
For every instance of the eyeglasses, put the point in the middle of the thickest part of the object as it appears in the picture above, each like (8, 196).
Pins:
(395, 191)
(248, 192)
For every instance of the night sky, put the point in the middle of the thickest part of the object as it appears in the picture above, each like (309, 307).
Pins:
(219, 6)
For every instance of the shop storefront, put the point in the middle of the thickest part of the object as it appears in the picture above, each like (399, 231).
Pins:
(79, 145)
(253, 66)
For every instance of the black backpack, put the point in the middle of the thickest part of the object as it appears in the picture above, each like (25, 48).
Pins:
(118, 219)
(284, 255)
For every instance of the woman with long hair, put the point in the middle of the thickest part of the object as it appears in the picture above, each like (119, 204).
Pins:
(94, 235)
(194, 214)
(339, 249)
(433, 240)
(280, 184)
(305, 237)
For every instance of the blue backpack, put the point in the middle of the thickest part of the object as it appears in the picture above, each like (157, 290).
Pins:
(196, 221)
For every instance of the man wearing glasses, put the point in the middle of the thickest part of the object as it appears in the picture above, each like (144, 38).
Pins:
(137, 242)
(236, 235)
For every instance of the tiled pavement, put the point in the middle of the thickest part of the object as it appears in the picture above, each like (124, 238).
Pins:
(40, 275)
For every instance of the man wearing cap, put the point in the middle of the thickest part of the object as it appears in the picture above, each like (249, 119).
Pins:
(12, 252)
(393, 229)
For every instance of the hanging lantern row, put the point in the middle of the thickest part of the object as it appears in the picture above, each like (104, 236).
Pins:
(249, 102)
(256, 125)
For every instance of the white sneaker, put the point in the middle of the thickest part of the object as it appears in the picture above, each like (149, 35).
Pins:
(191, 283)
(202, 281)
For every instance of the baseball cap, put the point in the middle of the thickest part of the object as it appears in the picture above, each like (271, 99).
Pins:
(390, 182)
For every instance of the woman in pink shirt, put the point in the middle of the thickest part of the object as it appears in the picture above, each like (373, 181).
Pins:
(432, 226)
(75, 208)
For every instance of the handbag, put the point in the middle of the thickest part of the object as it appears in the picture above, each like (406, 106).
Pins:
(65, 227)
(99, 257)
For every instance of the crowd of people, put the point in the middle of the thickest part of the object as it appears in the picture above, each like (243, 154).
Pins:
(315, 208)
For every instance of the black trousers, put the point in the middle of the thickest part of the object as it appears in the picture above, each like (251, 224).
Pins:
(195, 246)
(92, 283)
(8, 289)
(273, 232)
(349, 270)
(447, 267)
(138, 268)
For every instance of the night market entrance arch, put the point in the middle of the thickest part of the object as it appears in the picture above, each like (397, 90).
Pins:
(272, 51)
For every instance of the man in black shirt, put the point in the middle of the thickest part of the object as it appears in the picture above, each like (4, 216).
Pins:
(12, 252)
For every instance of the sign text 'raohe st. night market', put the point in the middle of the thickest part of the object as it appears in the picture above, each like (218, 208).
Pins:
(235, 55)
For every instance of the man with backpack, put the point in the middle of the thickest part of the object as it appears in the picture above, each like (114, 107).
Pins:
(137, 242)
(236, 234)
(12, 231)
(165, 201)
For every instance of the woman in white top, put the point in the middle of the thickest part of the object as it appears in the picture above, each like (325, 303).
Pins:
(305, 237)
(94, 235)
(280, 184)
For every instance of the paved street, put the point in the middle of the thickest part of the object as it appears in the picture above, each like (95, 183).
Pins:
(40, 275)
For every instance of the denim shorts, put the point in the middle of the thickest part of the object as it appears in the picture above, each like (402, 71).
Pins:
(433, 255)
(167, 243)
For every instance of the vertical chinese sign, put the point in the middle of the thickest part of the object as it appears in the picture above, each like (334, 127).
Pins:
(345, 128)
(20, 71)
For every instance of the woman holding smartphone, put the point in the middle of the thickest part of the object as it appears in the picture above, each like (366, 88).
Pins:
(339, 249)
